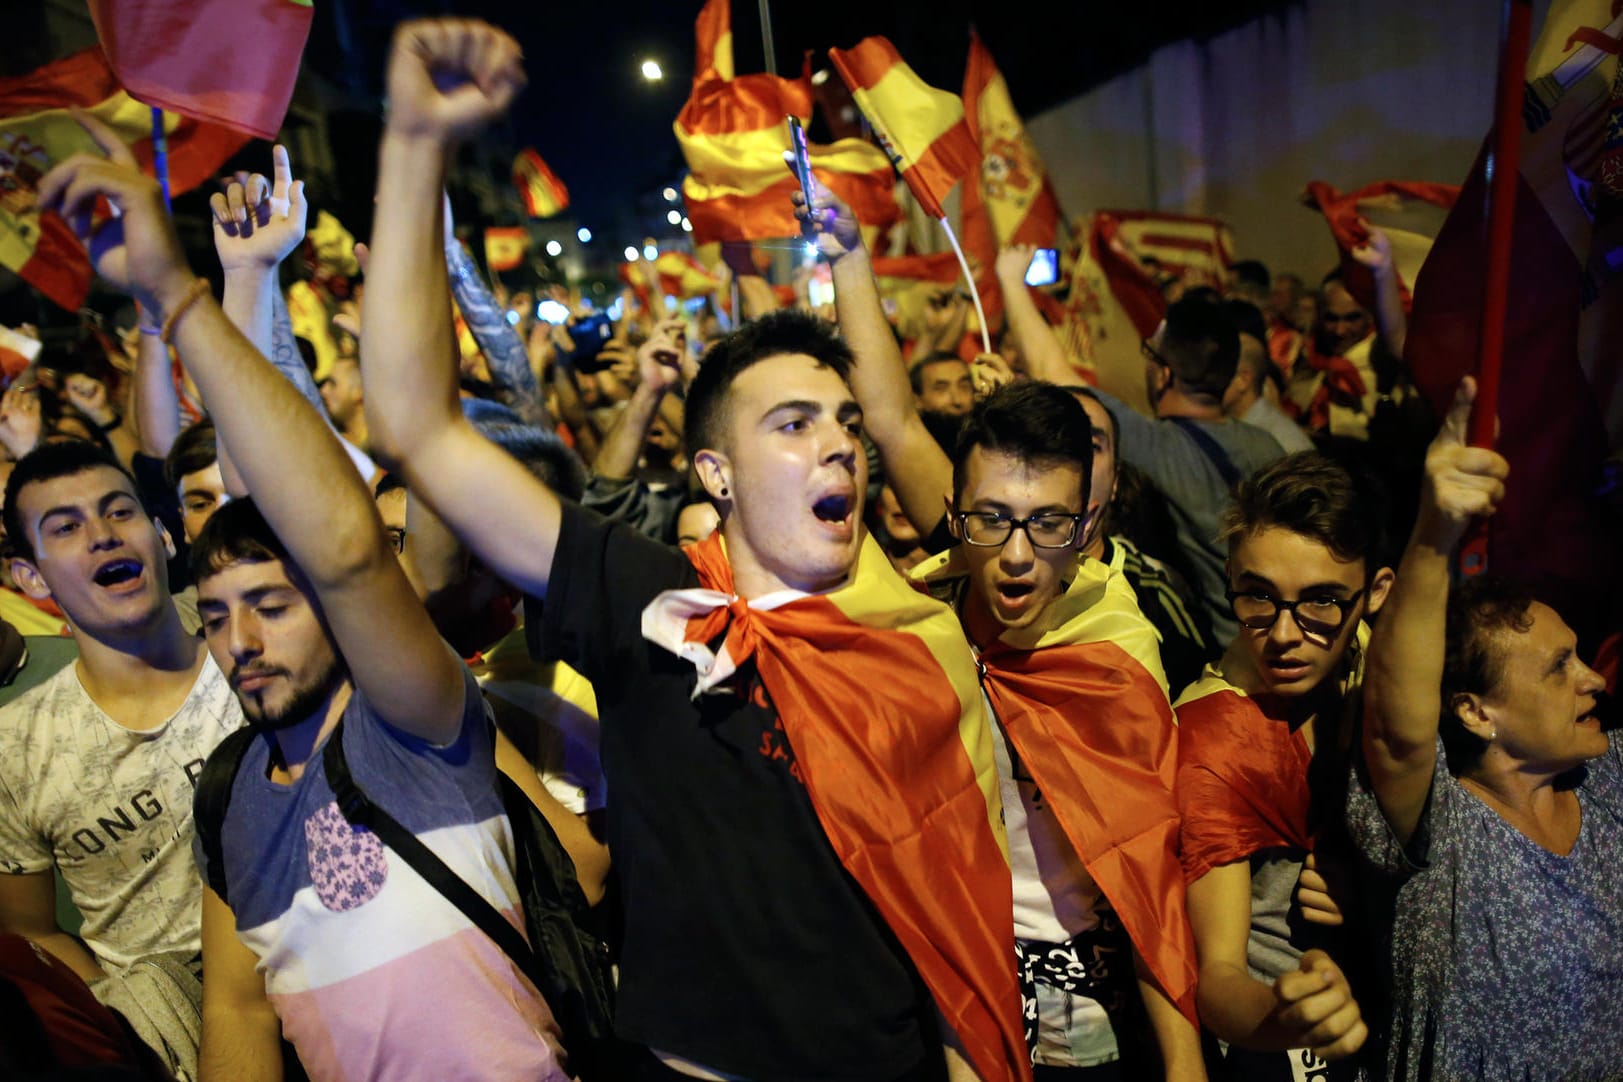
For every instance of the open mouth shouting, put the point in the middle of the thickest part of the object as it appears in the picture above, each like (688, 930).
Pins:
(119, 576)
(837, 512)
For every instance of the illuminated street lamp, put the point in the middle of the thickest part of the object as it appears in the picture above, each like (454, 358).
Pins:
(652, 71)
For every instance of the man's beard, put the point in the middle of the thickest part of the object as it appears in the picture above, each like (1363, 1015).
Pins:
(304, 702)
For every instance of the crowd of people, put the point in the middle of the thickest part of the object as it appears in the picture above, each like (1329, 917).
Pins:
(772, 697)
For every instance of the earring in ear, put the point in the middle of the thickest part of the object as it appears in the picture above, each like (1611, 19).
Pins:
(1493, 733)
(723, 492)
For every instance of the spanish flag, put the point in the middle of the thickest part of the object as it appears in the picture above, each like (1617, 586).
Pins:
(679, 275)
(505, 246)
(1009, 199)
(1345, 213)
(1082, 698)
(37, 131)
(732, 133)
(922, 129)
(222, 61)
(876, 690)
(542, 192)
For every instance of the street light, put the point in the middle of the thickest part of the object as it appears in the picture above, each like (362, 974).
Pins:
(650, 253)
(669, 194)
(651, 71)
(673, 216)
(631, 254)
(583, 235)
(554, 248)
(687, 226)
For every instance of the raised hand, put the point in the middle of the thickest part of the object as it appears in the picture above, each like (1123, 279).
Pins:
(1013, 262)
(1317, 1006)
(1461, 482)
(19, 418)
(89, 396)
(1376, 252)
(450, 77)
(829, 222)
(988, 372)
(258, 222)
(659, 360)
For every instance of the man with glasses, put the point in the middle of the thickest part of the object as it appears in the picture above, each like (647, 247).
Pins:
(1262, 768)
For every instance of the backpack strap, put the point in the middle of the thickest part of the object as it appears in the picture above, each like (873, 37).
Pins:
(210, 798)
(1211, 449)
(359, 810)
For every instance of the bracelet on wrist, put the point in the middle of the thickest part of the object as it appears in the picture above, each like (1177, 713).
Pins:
(199, 287)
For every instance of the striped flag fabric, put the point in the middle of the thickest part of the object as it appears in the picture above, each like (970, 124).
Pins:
(505, 246)
(37, 131)
(1083, 699)
(733, 134)
(222, 61)
(1410, 246)
(900, 772)
(922, 129)
(542, 193)
(1009, 199)
(1561, 384)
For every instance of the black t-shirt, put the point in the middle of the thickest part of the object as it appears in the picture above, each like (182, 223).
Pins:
(747, 946)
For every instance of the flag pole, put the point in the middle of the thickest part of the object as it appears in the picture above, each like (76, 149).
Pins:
(1504, 170)
(766, 36)
(160, 155)
(974, 294)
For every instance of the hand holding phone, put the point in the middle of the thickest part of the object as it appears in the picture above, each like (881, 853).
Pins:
(802, 163)
(1044, 268)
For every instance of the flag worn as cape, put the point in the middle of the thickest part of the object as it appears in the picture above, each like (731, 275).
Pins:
(1561, 383)
(732, 131)
(228, 62)
(921, 128)
(876, 689)
(1010, 198)
(538, 186)
(1083, 699)
(37, 131)
(1409, 247)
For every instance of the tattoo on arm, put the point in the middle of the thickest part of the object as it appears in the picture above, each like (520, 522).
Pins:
(285, 353)
(503, 347)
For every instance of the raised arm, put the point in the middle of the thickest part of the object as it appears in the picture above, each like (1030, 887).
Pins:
(1404, 672)
(157, 401)
(659, 364)
(503, 347)
(1045, 357)
(916, 467)
(329, 523)
(1390, 319)
(496, 506)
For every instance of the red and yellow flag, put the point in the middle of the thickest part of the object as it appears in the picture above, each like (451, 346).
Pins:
(1083, 699)
(505, 246)
(732, 133)
(1009, 199)
(922, 129)
(1345, 213)
(876, 689)
(223, 61)
(37, 131)
(538, 186)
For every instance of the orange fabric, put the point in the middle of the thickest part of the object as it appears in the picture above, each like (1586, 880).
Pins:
(1009, 199)
(1096, 731)
(874, 724)
(1341, 384)
(222, 61)
(1344, 215)
(1242, 781)
(921, 128)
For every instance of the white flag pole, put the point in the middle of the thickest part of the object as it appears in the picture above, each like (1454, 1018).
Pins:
(974, 294)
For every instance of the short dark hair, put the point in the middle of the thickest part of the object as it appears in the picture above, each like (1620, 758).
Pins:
(236, 533)
(47, 462)
(194, 449)
(541, 452)
(1200, 345)
(1036, 422)
(915, 373)
(389, 482)
(1480, 611)
(1252, 272)
(1312, 495)
(1247, 319)
(776, 334)
(1081, 391)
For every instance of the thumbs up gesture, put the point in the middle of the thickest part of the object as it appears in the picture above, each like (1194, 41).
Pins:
(1461, 482)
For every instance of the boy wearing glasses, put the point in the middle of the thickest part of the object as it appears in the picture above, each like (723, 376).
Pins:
(1263, 737)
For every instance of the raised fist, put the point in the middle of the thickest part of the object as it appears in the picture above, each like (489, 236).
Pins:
(450, 77)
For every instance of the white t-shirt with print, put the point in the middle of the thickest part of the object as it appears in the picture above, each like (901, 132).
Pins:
(111, 809)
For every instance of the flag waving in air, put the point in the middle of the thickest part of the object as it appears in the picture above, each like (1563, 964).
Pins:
(222, 61)
(542, 192)
(732, 134)
(1009, 199)
(1345, 214)
(923, 129)
(37, 130)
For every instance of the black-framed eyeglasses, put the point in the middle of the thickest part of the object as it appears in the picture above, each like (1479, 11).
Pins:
(1152, 354)
(397, 539)
(989, 529)
(1321, 615)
